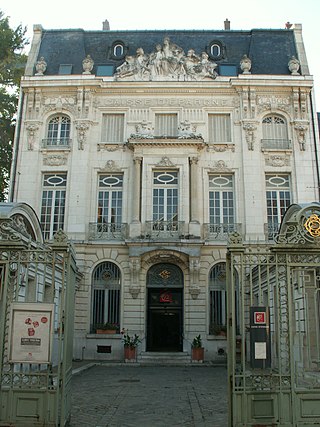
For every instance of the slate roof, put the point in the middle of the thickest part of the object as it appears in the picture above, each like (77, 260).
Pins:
(269, 49)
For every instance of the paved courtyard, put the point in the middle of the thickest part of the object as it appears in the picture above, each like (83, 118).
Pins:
(155, 396)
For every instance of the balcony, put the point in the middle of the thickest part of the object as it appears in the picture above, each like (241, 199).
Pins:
(107, 231)
(220, 231)
(275, 144)
(162, 230)
(56, 143)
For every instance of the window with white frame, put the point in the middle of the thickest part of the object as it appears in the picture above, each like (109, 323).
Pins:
(109, 214)
(219, 128)
(53, 203)
(106, 287)
(275, 132)
(166, 125)
(58, 133)
(113, 128)
(278, 195)
(118, 50)
(221, 203)
(165, 200)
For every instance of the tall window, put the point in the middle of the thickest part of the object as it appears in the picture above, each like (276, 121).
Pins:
(106, 285)
(165, 200)
(221, 203)
(166, 125)
(53, 203)
(113, 128)
(278, 196)
(217, 299)
(110, 201)
(275, 133)
(58, 131)
(219, 127)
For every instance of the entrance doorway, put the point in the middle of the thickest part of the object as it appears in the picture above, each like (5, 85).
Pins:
(165, 308)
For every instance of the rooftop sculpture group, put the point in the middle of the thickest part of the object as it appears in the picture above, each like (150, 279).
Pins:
(167, 62)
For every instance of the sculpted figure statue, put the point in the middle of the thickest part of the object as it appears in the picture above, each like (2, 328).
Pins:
(167, 62)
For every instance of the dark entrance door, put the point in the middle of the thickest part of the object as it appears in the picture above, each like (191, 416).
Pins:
(165, 308)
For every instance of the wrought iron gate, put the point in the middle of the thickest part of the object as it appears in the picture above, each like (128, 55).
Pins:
(36, 328)
(274, 320)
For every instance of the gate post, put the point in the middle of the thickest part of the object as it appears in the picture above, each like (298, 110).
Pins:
(37, 287)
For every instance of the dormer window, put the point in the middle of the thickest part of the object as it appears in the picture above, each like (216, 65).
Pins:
(118, 50)
(216, 50)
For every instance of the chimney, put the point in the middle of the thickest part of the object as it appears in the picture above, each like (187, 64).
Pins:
(227, 24)
(106, 25)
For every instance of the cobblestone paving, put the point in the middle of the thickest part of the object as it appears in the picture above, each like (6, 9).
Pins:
(132, 396)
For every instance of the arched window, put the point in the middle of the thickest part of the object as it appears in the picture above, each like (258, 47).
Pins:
(215, 50)
(106, 287)
(58, 131)
(118, 50)
(275, 132)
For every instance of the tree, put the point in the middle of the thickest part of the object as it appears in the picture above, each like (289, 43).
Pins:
(12, 63)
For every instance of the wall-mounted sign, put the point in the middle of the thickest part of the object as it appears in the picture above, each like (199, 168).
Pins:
(166, 297)
(31, 332)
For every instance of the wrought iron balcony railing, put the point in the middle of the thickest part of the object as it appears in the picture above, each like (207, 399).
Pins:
(165, 229)
(220, 231)
(107, 231)
(275, 144)
(56, 143)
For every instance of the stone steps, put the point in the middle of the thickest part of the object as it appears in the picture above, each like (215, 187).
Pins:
(164, 358)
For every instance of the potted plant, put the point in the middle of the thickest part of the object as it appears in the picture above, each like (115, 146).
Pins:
(107, 328)
(197, 349)
(130, 345)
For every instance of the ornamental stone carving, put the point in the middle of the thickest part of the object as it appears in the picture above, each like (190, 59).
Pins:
(143, 131)
(294, 66)
(188, 131)
(194, 268)
(167, 62)
(165, 162)
(32, 129)
(135, 267)
(82, 128)
(250, 129)
(87, 65)
(245, 65)
(301, 129)
(55, 160)
(41, 67)
(277, 160)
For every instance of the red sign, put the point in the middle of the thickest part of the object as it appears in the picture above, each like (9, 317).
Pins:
(166, 296)
(260, 317)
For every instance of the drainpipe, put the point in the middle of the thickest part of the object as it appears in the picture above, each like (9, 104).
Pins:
(315, 143)
(16, 143)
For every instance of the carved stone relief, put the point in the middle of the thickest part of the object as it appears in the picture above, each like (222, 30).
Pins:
(277, 160)
(55, 159)
(301, 128)
(167, 62)
(165, 162)
(32, 129)
(250, 128)
(82, 128)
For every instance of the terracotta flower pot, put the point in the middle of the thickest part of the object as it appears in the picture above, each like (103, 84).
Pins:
(198, 353)
(130, 353)
(106, 331)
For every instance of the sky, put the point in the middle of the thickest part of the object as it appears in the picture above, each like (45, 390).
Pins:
(173, 14)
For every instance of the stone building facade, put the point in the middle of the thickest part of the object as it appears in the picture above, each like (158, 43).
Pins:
(149, 149)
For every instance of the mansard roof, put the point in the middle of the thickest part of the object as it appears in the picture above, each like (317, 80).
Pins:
(268, 49)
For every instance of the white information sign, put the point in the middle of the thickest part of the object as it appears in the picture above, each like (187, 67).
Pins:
(260, 350)
(31, 332)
